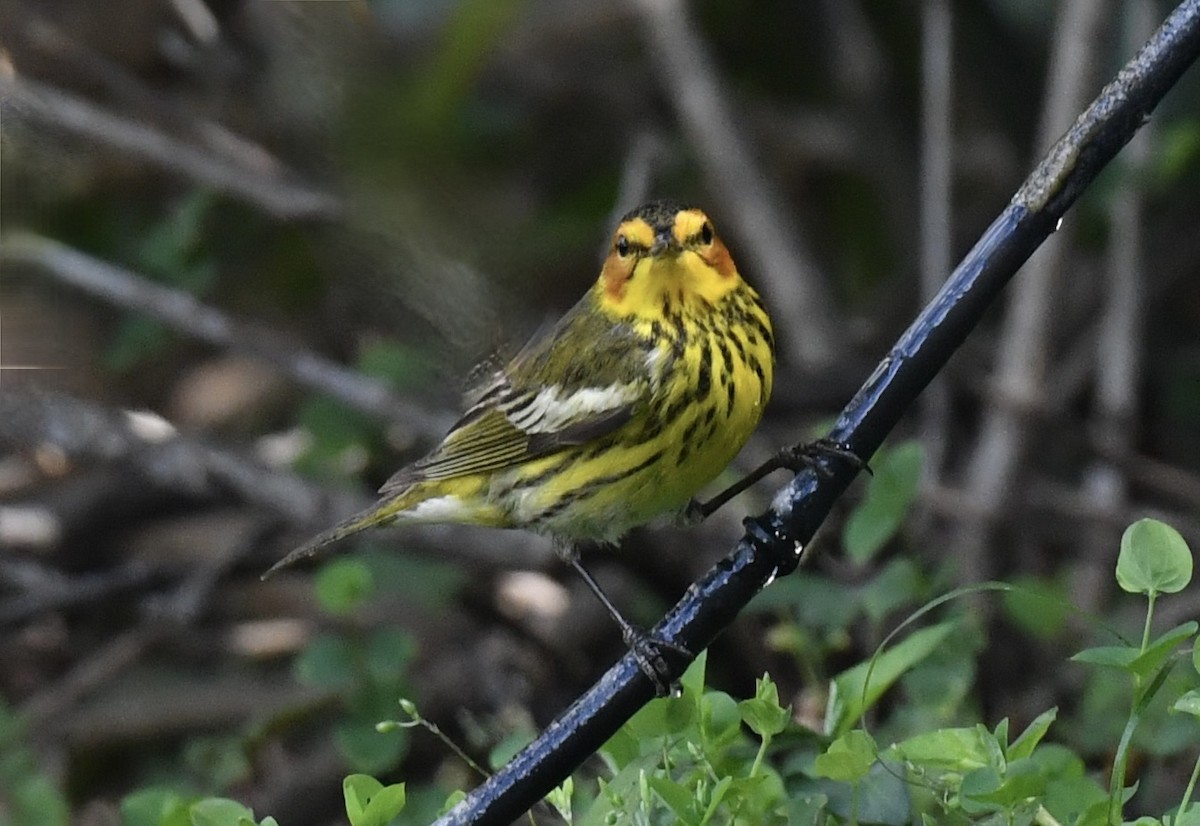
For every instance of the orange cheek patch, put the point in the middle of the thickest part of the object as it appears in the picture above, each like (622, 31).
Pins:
(718, 258)
(614, 277)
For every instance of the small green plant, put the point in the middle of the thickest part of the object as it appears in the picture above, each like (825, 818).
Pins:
(369, 802)
(367, 668)
(970, 774)
(1154, 560)
(27, 795)
(173, 253)
(702, 757)
(689, 759)
(166, 807)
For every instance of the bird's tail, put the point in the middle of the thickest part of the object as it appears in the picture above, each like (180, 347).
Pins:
(391, 509)
(458, 501)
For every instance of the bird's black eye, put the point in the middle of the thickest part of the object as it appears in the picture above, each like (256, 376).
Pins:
(706, 233)
(622, 246)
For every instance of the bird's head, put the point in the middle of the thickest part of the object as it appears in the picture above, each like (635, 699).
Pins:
(663, 257)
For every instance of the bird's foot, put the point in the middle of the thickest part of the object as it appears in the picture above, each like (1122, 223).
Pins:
(654, 656)
(810, 455)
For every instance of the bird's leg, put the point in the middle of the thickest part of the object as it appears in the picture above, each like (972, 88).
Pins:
(649, 651)
(795, 458)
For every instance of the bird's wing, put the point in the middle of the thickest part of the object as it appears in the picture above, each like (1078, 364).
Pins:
(578, 383)
(504, 430)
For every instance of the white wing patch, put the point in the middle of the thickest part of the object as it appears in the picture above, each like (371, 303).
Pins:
(654, 364)
(439, 509)
(552, 409)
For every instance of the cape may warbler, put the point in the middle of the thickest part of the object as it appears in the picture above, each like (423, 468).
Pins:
(636, 399)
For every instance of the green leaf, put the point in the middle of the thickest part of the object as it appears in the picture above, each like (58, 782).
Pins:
(692, 681)
(343, 585)
(423, 583)
(366, 749)
(1162, 648)
(509, 745)
(817, 602)
(1109, 656)
(1027, 741)
(453, 799)
(956, 749)
(848, 700)
(1037, 606)
(389, 652)
(218, 811)
(720, 721)
(1188, 817)
(560, 798)
(1154, 559)
(34, 799)
(899, 583)
(1020, 783)
(385, 805)
(976, 786)
(167, 251)
(369, 802)
(328, 662)
(1178, 149)
(341, 438)
(763, 714)
(882, 797)
(664, 716)
(848, 758)
(220, 761)
(679, 799)
(715, 797)
(1188, 703)
(891, 490)
(155, 807)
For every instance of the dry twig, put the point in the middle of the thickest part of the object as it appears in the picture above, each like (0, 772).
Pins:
(1025, 339)
(771, 244)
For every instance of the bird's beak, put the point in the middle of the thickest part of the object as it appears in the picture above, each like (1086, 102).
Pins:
(664, 242)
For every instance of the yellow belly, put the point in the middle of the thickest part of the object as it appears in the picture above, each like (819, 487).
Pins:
(656, 463)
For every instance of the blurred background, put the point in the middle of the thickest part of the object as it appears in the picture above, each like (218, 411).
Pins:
(251, 251)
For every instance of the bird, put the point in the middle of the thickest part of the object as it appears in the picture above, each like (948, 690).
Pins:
(639, 397)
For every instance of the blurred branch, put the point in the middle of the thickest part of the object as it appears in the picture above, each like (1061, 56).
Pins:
(810, 330)
(183, 312)
(645, 155)
(42, 589)
(263, 184)
(775, 540)
(1113, 419)
(83, 431)
(936, 215)
(1024, 342)
(98, 668)
(45, 38)
(86, 432)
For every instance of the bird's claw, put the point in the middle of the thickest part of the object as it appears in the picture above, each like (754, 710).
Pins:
(810, 455)
(693, 514)
(651, 654)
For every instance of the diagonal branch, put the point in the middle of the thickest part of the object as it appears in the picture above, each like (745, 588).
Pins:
(774, 540)
(184, 312)
(267, 185)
